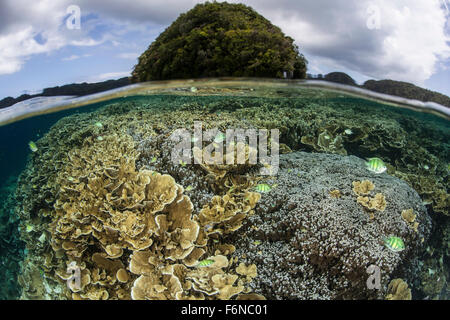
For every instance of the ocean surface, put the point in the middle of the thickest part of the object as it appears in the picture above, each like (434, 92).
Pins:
(352, 203)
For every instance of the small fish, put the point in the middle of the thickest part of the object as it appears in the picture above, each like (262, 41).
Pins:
(189, 188)
(205, 263)
(153, 160)
(182, 163)
(99, 125)
(100, 138)
(263, 187)
(426, 167)
(29, 228)
(220, 137)
(395, 244)
(348, 131)
(194, 139)
(193, 89)
(376, 165)
(256, 242)
(33, 146)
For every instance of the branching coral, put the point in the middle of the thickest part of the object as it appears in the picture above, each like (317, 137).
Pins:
(377, 203)
(335, 193)
(410, 218)
(363, 187)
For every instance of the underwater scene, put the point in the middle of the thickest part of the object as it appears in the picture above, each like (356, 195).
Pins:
(218, 190)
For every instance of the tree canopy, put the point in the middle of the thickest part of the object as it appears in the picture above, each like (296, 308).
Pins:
(340, 77)
(220, 39)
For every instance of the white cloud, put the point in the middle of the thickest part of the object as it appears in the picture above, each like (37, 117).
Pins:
(71, 58)
(128, 55)
(75, 57)
(33, 27)
(410, 45)
(110, 75)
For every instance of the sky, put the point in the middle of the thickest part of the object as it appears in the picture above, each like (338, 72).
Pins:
(45, 43)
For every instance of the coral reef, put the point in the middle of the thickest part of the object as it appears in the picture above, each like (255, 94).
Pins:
(307, 245)
(106, 213)
(362, 190)
(398, 290)
(410, 218)
(109, 200)
(363, 187)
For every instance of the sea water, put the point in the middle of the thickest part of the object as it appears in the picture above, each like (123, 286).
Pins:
(411, 138)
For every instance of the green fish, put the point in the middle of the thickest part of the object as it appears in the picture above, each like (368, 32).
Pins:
(33, 146)
(205, 263)
(189, 188)
(153, 160)
(263, 187)
(99, 125)
(182, 163)
(395, 244)
(376, 165)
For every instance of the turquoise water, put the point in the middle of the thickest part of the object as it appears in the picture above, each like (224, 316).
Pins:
(414, 146)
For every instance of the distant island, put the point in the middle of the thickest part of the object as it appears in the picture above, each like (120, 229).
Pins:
(227, 40)
(74, 89)
(391, 87)
(396, 88)
(220, 40)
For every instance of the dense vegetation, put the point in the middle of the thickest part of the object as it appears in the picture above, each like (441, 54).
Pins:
(220, 39)
(340, 77)
(75, 89)
(391, 87)
(406, 90)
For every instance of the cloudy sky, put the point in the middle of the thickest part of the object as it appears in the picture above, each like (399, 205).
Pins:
(407, 40)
